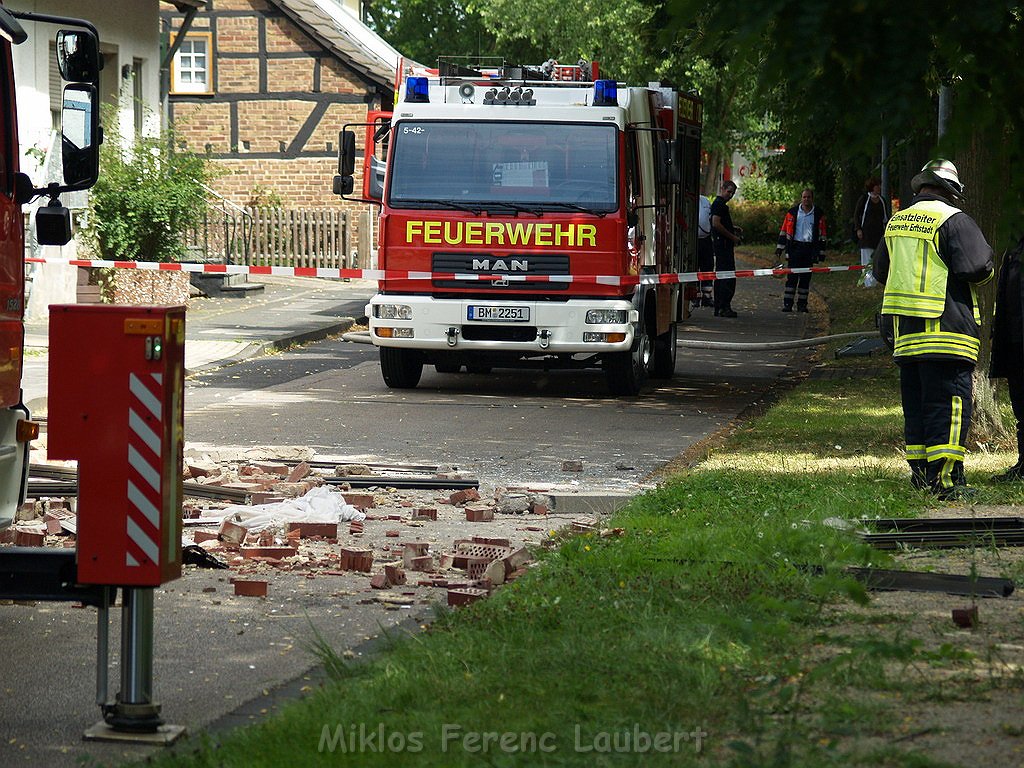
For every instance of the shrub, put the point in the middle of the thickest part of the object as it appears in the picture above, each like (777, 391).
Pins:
(760, 220)
(147, 196)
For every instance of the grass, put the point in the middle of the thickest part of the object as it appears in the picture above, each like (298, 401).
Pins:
(715, 626)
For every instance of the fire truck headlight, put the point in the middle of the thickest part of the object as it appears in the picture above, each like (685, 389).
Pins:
(393, 312)
(605, 316)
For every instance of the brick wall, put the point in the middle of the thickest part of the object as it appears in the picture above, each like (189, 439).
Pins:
(267, 125)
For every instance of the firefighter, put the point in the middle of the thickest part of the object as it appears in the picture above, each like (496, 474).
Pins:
(931, 259)
(802, 239)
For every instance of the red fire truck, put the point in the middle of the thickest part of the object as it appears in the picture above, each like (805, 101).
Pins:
(78, 63)
(530, 217)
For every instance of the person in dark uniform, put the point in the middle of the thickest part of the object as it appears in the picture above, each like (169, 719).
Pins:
(931, 260)
(1008, 347)
(724, 237)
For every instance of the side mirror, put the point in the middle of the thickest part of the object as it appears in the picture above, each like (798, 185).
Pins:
(80, 136)
(53, 224)
(347, 153)
(344, 185)
(78, 56)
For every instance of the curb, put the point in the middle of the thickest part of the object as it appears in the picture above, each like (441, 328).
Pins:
(256, 348)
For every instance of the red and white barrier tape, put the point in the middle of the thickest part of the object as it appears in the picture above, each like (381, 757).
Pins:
(401, 274)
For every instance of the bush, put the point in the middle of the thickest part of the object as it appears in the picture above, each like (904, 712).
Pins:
(758, 189)
(147, 196)
(760, 221)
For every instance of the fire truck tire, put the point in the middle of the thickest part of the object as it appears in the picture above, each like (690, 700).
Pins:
(626, 372)
(664, 365)
(401, 368)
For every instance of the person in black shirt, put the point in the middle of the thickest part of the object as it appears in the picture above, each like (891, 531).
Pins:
(724, 237)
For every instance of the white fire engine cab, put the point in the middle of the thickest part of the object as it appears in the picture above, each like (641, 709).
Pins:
(530, 217)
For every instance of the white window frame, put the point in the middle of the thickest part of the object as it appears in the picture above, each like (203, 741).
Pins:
(179, 84)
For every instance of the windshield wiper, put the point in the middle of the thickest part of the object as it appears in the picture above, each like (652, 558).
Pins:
(575, 207)
(474, 209)
(517, 207)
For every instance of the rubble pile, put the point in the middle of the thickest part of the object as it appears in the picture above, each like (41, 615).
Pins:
(301, 518)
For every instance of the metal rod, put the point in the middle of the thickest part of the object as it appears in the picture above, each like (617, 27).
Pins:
(103, 648)
(137, 646)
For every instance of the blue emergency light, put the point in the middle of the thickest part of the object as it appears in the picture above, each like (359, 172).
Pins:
(417, 90)
(606, 93)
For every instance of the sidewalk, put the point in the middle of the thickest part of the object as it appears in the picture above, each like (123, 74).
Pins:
(229, 328)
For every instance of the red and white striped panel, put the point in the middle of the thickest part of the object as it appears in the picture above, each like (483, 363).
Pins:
(401, 274)
(145, 430)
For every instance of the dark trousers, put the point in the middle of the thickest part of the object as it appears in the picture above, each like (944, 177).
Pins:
(725, 261)
(705, 263)
(937, 402)
(798, 286)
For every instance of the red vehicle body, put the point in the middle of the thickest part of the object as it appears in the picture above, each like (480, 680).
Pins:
(78, 62)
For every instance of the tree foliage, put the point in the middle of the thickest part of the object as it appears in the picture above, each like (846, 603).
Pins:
(844, 73)
(146, 197)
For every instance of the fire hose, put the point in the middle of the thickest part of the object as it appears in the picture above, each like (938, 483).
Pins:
(363, 337)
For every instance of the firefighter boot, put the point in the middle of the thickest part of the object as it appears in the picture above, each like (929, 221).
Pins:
(1016, 472)
(918, 473)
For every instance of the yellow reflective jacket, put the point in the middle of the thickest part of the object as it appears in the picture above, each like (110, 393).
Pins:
(930, 318)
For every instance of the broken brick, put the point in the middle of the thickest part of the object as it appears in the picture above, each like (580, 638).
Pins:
(300, 471)
(392, 534)
(356, 526)
(250, 588)
(538, 508)
(274, 553)
(517, 560)
(476, 513)
(461, 497)
(308, 530)
(494, 542)
(412, 549)
(465, 596)
(356, 559)
(198, 537)
(423, 564)
(395, 575)
(360, 500)
(271, 467)
(379, 581)
(424, 513)
(23, 538)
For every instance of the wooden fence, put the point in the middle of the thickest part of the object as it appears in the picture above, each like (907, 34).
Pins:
(280, 237)
(299, 237)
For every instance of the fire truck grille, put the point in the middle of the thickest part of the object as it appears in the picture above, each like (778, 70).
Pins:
(486, 264)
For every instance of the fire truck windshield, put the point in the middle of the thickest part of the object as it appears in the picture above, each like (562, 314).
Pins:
(542, 166)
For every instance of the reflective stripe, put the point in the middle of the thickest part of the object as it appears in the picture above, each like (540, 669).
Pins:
(915, 452)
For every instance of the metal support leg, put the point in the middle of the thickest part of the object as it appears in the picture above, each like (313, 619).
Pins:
(134, 709)
(102, 647)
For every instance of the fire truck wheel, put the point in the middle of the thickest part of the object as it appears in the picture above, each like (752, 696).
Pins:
(627, 371)
(664, 366)
(401, 368)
